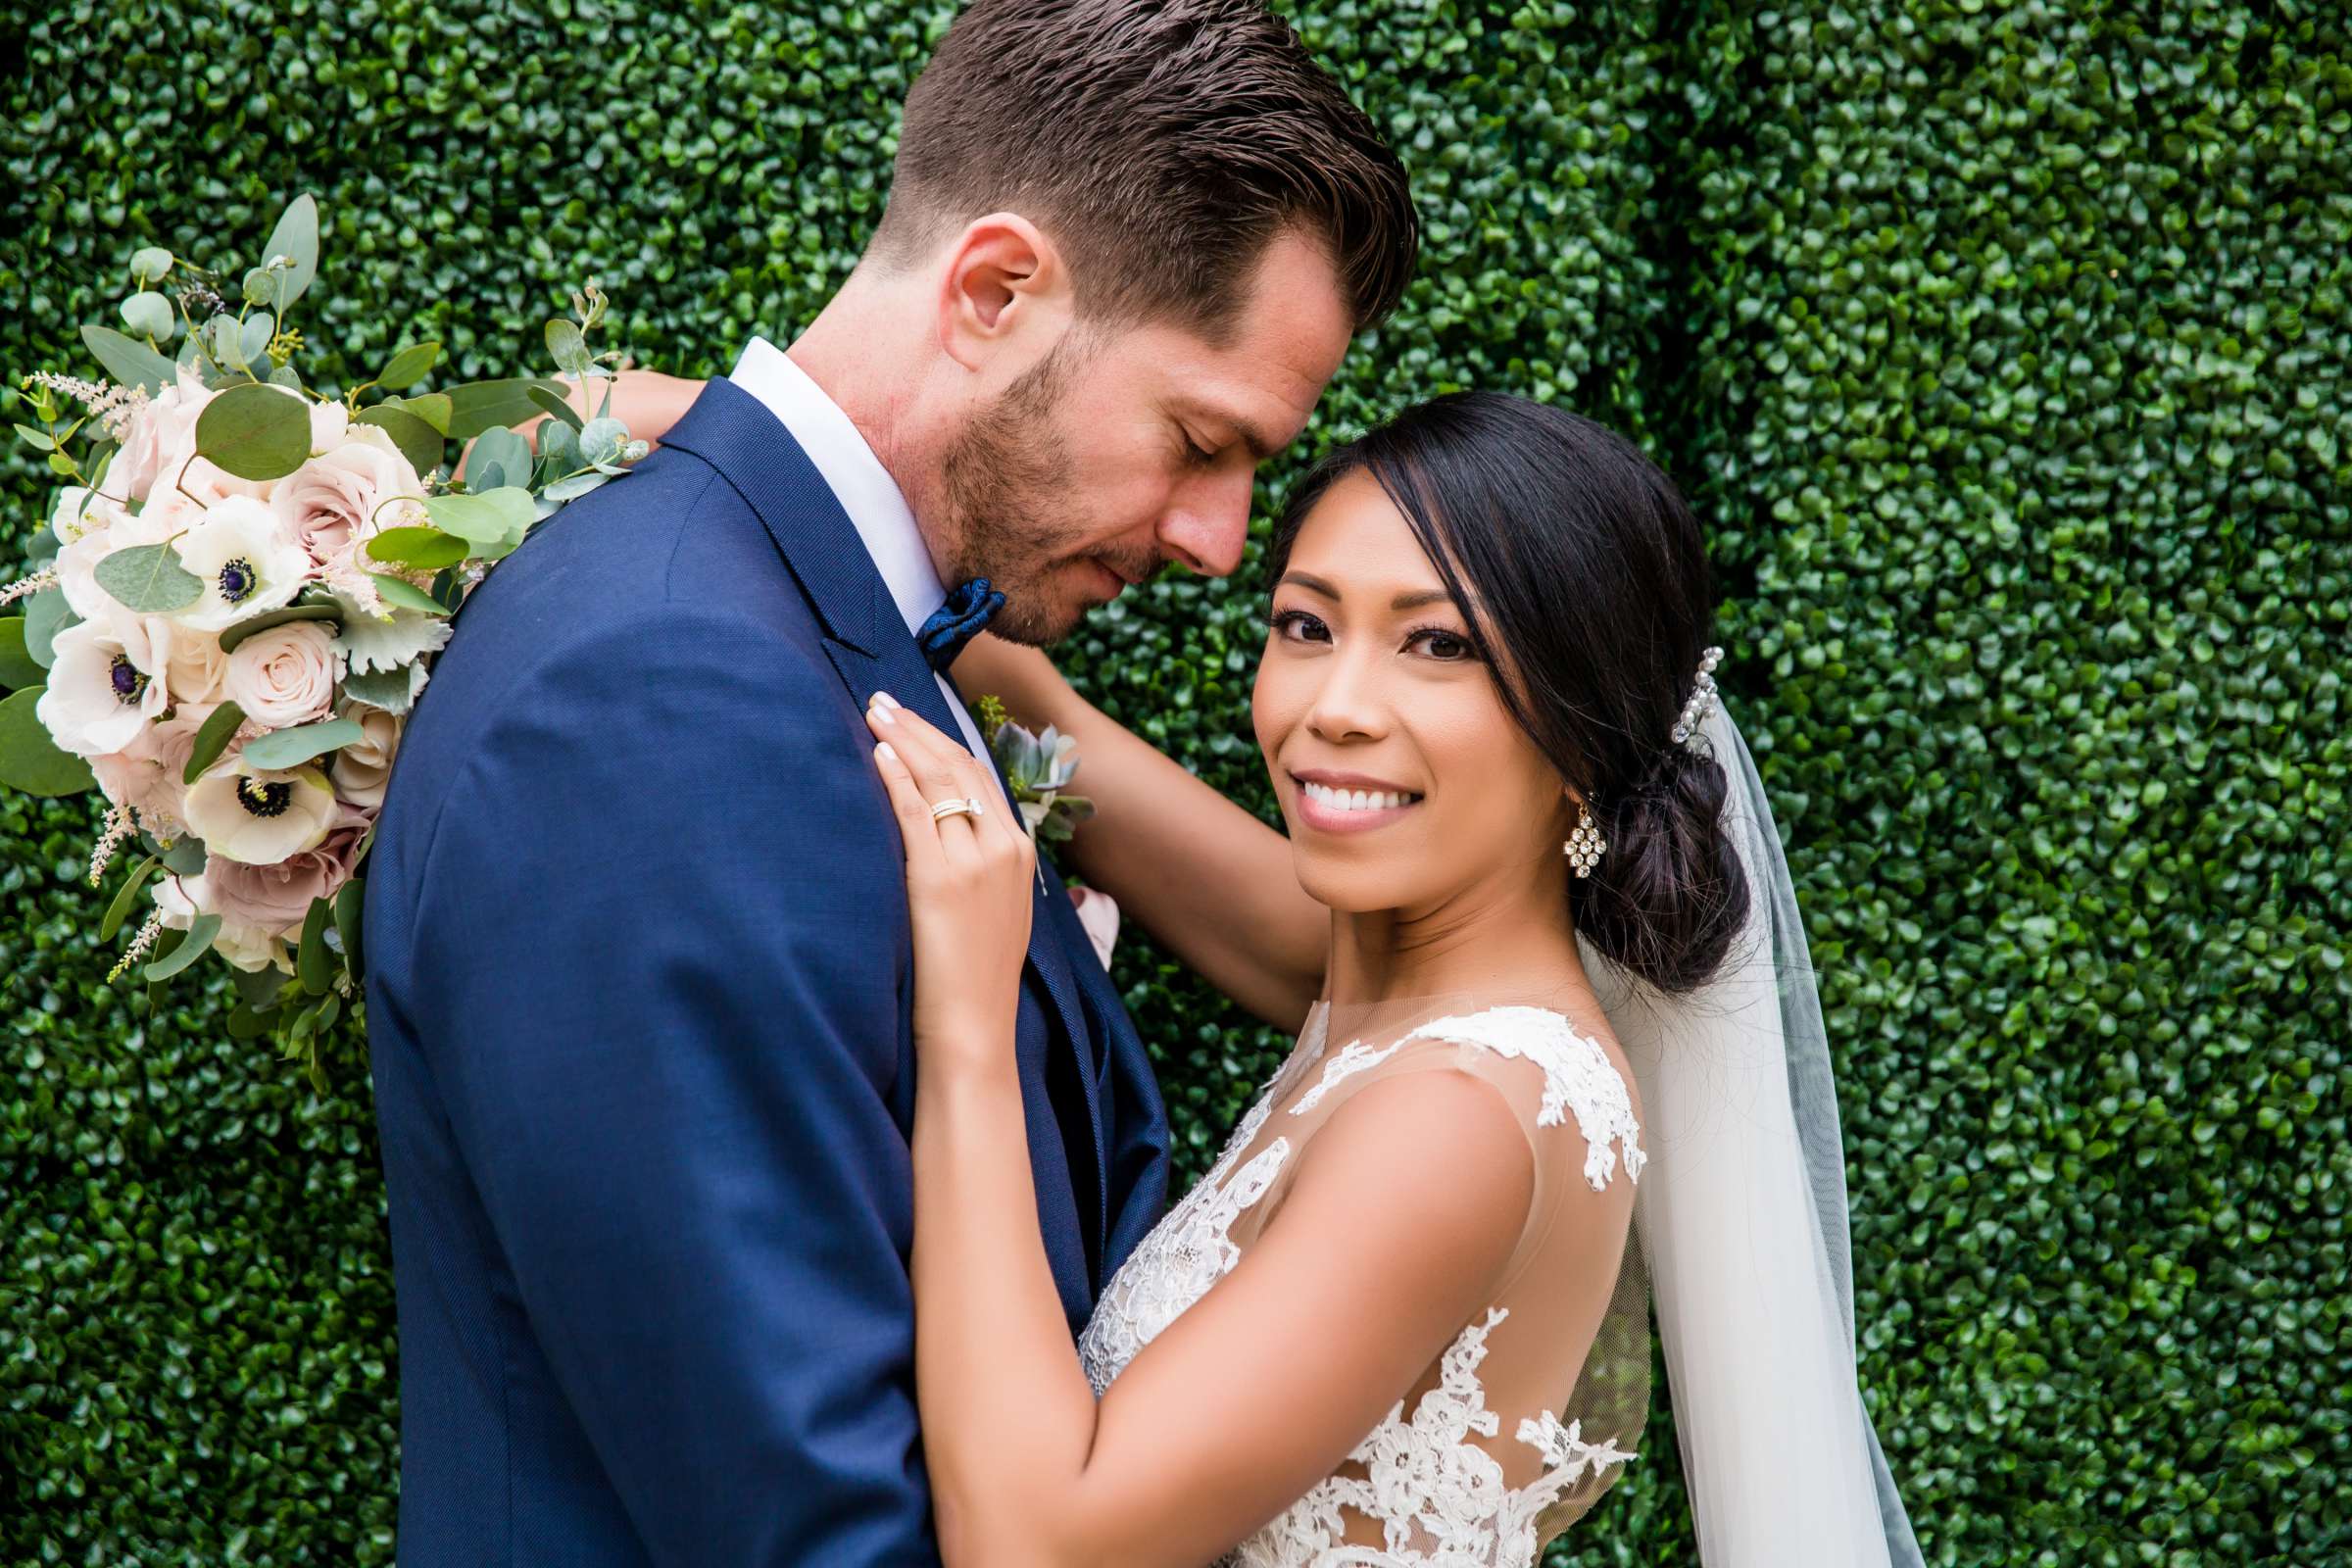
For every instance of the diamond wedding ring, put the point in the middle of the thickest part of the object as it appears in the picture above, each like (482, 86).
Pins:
(947, 808)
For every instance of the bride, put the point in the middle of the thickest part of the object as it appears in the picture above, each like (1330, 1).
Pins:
(1557, 1050)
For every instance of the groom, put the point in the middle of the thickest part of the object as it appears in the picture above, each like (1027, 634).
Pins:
(639, 967)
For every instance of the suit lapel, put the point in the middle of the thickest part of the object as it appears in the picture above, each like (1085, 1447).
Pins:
(871, 650)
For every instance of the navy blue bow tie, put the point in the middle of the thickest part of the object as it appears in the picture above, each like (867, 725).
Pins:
(964, 617)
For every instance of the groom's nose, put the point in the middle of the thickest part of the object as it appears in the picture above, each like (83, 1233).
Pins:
(1208, 522)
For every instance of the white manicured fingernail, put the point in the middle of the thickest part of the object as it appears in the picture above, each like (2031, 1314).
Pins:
(884, 751)
(885, 700)
(883, 714)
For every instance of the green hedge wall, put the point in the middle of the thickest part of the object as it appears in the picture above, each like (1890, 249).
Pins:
(2005, 351)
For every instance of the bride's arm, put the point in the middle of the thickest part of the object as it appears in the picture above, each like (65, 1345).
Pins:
(1403, 1212)
(1210, 880)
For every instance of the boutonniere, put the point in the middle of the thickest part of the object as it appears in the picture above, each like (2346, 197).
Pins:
(1039, 767)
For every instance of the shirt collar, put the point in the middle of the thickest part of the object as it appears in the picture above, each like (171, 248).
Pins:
(865, 488)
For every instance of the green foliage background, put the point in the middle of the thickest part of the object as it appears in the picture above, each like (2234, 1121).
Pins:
(2005, 349)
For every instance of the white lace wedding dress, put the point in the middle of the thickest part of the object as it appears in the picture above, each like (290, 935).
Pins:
(1533, 1410)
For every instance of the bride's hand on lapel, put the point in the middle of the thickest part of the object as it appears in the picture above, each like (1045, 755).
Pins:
(968, 881)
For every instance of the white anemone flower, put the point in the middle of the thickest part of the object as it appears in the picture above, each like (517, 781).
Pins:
(247, 559)
(106, 685)
(259, 816)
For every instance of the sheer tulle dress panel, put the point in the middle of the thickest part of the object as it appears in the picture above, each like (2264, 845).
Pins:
(1537, 1406)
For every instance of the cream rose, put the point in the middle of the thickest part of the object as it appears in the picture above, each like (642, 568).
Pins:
(333, 499)
(276, 897)
(284, 675)
(328, 421)
(362, 768)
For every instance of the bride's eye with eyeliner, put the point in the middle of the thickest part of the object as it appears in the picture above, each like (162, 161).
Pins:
(1446, 645)
(1298, 626)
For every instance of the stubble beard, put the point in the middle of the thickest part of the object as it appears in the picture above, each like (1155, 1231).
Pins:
(1011, 489)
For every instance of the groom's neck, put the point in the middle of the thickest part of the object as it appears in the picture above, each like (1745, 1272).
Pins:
(869, 353)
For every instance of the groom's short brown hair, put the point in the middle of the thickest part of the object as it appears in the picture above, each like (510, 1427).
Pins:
(1162, 143)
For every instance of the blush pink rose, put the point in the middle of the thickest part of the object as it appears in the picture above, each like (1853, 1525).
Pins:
(283, 676)
(276, 897)
(160, 439)
(333, 499)
(145, 776)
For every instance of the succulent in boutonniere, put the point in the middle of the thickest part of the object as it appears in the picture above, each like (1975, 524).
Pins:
(1039, 769)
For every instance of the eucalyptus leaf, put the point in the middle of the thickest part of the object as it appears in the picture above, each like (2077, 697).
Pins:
(310, 955)
(567, 347)
(252, 338)
(212, 739)
(18, 667)
(46, 614)
(576, 486)
(424, 549)
(406, 594)
(283, 749)
(261, 988)
(433, 408)
(351, 902)
(243, 629)
(185, 855)
(149, 580)
(497, 459)
(602, 440)
(128, 362)
(480, 406)
(417, 440)
(287, 376)
(149, 314)
(297, 236)
(557, 406)
(224, 341)
(484, 517)
(255, 431)
(39, 440)
(195, 945)
(30, 760)
(409, 366)
(150, 263)
(119, 911)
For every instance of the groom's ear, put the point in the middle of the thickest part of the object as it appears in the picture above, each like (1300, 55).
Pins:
(1004, 288)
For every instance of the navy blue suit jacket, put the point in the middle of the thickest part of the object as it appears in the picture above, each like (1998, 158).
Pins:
(639, 995)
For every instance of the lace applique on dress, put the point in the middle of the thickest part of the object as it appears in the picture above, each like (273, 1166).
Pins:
(1353, 1058)
(1185, 1253)
(1440, 1499)
(1577, 1075)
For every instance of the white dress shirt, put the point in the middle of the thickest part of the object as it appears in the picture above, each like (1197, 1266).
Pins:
(866, 491)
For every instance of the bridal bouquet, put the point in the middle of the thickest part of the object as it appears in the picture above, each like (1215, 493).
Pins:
(236, 601)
